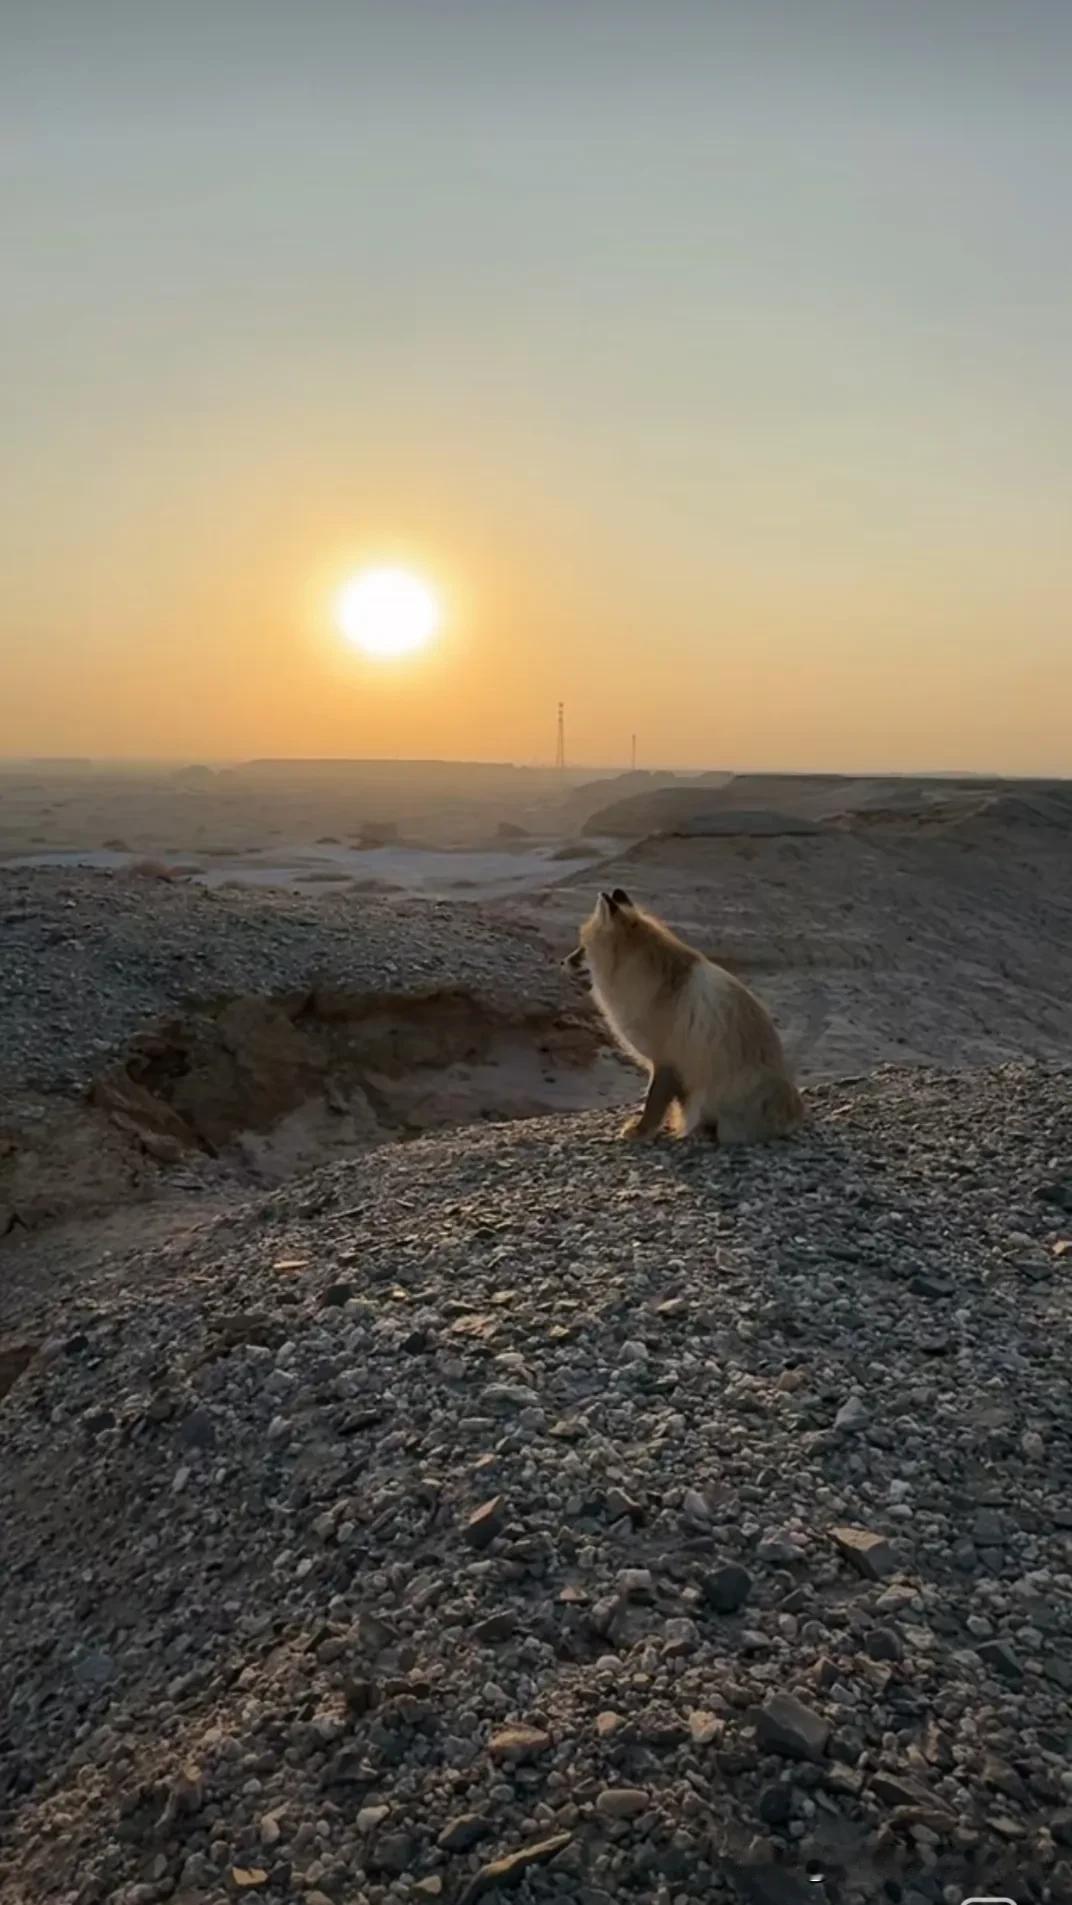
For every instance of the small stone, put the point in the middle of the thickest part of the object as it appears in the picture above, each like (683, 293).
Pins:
(510, 1869)
(852, 1415)
(248, 1878)
(621, 1506)
(884, 1643)
(680, 1636)
(785, 1725)
(925, 1284)
(376, 1633)
(198, 1430)
(1005, 1827)
(515, 1744)
(360, 1695)
(334, 1295)
(605, 1613)
(607, 1724)
(870, 1554)
(96, 1668)
(393, 1852)
(988, 1528)
(727, 1588)
(270, 1830)
(705, 1727)
(485, 1523)
(778, 1548)
(695, 1508)
(431, 1887)
(370, 1817)
(621, 1802)
(16, 1357)
(188, 1788)
(464, 1831)
(660, 1726)
(636, 1582)
(495, 1627)
(895, 1790)
(1004, 1779)
(844, 1779)
(1000, 1659)
(775, 1805)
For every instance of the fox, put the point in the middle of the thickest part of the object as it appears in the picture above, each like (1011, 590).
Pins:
(715, 1058)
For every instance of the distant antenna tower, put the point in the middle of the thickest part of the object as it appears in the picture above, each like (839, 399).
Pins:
(560, 743)
(632, 759)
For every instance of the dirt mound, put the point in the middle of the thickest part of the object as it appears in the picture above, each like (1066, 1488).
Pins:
(713, 803)
(814, 797)
(153, 1031)
(273, 1086)
(654, 810)
(740, 823)
(611, 789)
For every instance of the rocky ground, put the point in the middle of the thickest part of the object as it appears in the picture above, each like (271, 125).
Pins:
(157, 1037)
(518, 1508)
(89, 960)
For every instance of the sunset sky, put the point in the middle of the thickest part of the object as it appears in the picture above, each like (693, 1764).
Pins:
(711, 361)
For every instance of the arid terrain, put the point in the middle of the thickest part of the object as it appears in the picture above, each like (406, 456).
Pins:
(411, 1492)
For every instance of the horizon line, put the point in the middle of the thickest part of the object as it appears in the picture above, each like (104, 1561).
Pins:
(216, 763)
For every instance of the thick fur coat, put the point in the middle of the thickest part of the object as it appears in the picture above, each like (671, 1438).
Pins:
(715, 1057)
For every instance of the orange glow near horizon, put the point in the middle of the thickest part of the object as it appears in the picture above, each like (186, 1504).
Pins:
(713, 381)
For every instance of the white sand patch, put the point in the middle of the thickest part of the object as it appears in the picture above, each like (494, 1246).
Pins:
(435, 873)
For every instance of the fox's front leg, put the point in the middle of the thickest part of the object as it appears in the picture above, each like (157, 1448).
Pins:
(664, 1088)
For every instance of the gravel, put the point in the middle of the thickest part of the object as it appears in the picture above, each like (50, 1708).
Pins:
(87, 960)
(428, 1590)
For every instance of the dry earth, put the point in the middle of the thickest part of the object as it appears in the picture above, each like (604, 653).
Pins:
(511, 1508)
(518, 1508)
(153, 1030)
(941, 939)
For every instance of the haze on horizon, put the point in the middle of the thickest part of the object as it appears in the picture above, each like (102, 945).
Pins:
(710, 361)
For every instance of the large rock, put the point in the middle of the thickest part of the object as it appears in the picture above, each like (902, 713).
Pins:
(785, 1725)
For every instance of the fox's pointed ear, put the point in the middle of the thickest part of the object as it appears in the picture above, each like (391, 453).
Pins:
(607, 903)
(621, 897)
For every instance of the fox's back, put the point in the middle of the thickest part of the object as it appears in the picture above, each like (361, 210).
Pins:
(658, 1005)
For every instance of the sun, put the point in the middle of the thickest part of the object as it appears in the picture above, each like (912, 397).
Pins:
(387, 612)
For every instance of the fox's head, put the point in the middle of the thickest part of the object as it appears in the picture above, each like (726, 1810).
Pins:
(612, 913)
